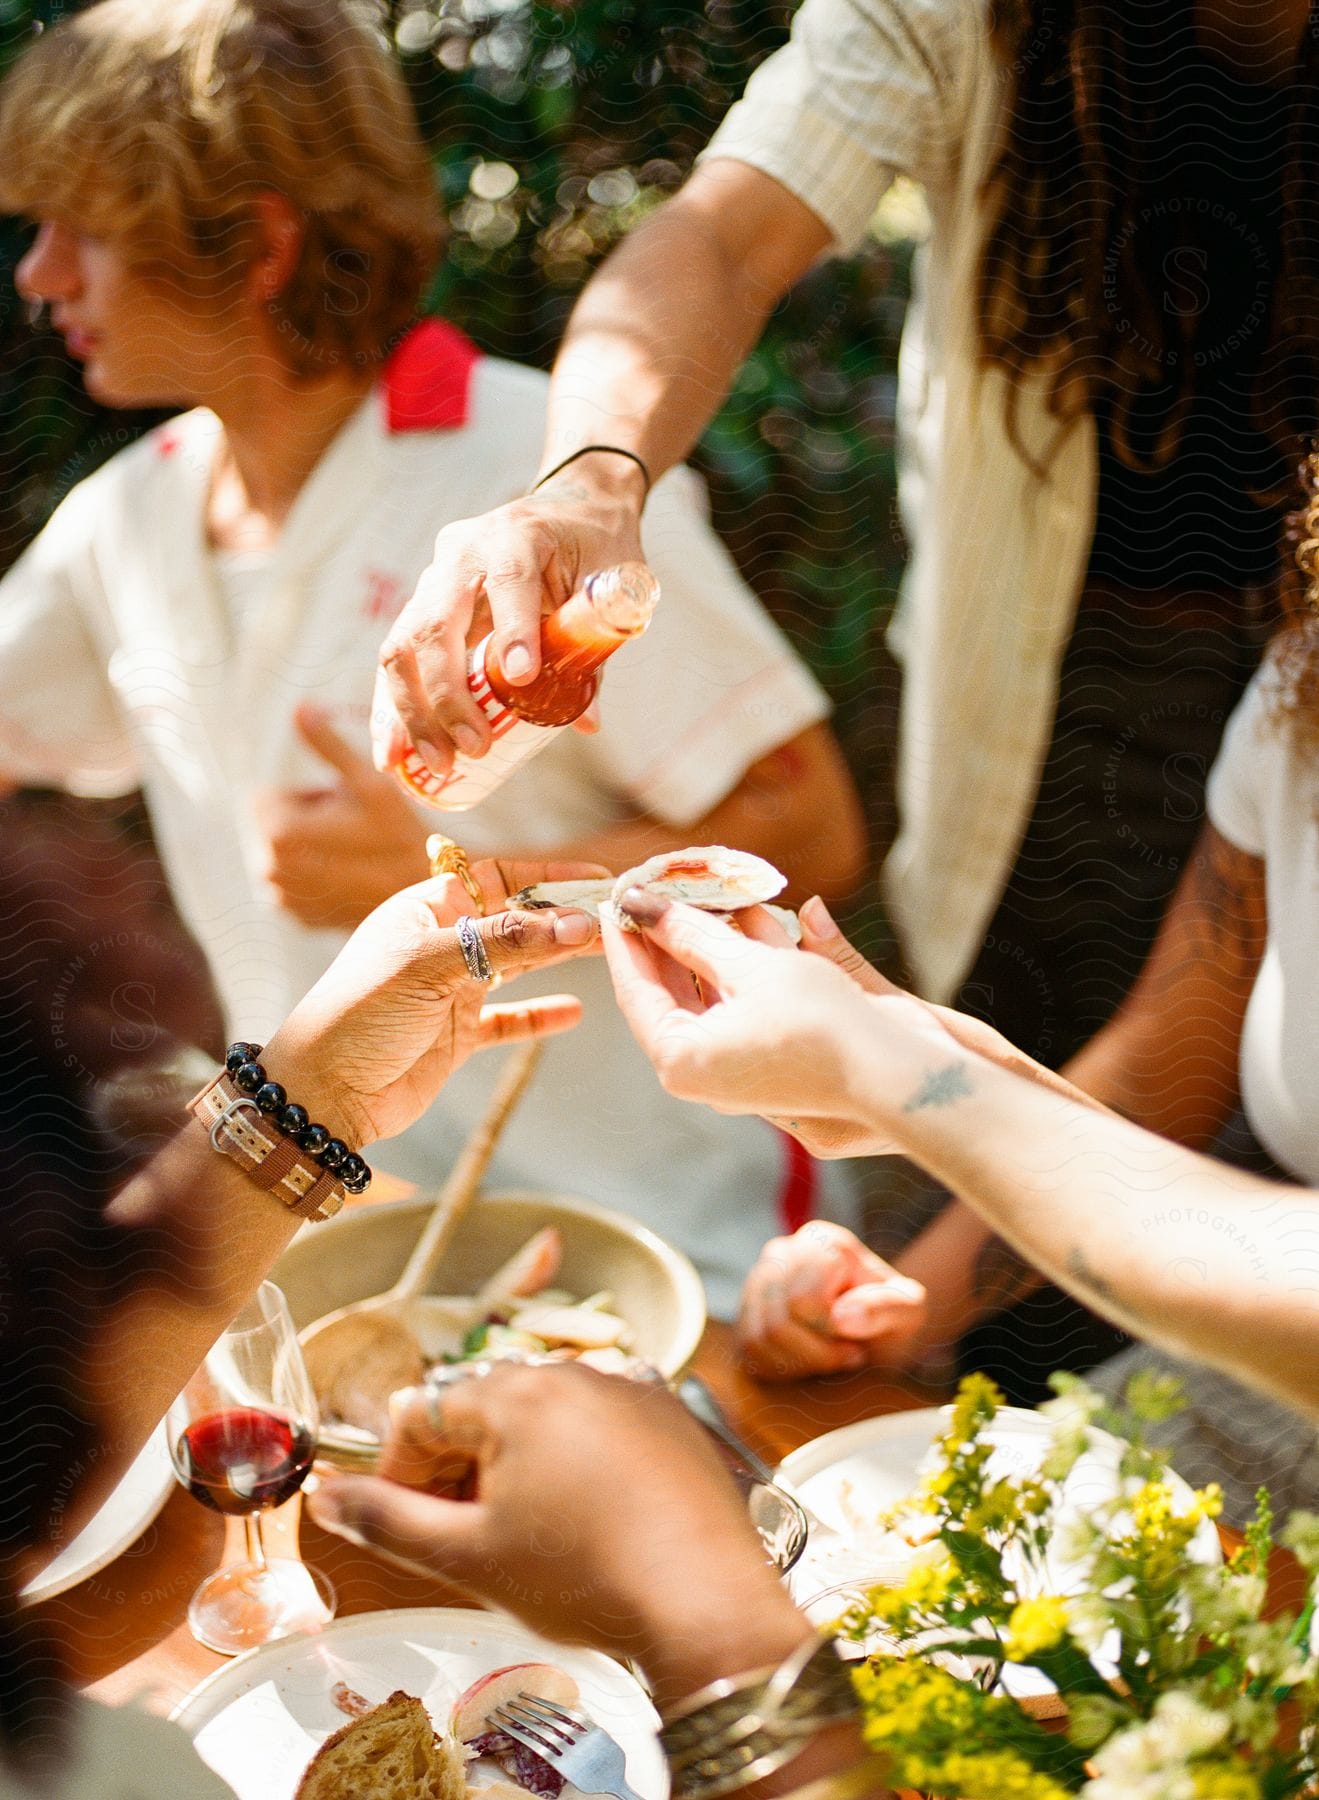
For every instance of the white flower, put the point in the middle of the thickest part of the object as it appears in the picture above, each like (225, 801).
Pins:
(1074, 1537)
(932, 1554)
(1182, 1727)
(1147, 1787)
(1149, 1761)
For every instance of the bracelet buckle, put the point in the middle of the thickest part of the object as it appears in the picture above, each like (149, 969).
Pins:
(222, 1123)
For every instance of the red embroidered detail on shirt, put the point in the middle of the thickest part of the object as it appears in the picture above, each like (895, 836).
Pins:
(798, 1194)
(428, 379)
(167, 442)
(384, 595)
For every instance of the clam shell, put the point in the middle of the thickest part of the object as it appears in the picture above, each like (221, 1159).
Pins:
(710, 876)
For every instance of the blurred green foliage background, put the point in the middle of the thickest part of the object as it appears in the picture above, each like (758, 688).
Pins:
(555, 127)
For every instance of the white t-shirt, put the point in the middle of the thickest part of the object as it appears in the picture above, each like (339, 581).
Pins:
(1263, 796)
(866, 90)
(121, 663)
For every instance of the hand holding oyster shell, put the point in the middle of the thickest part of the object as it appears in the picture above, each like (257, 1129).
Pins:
(710, 876)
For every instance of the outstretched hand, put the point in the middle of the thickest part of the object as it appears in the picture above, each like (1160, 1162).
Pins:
(762, 1028)
(397, 1011)
(602, 1515)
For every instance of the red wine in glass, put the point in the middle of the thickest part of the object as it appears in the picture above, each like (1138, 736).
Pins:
(242, 1460)
(242, 1435)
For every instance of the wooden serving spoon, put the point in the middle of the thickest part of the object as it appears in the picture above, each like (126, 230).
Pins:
(361, 1354)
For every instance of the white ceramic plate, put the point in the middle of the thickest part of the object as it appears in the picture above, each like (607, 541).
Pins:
(258, 1721)
(120, 1522)
(848, 1477)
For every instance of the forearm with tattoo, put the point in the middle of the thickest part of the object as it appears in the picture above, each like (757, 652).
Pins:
(941, 1087)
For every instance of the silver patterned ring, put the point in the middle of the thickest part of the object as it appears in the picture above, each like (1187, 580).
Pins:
(435, 1407)
(440, 1380)
(469, 939)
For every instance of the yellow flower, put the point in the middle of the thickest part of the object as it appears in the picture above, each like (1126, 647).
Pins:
(934, 1730)
(1161, 1534)
(995, 1774)
(926, 1586)
(1208, 1504)
(1035, 1625)
(978, 1399)
(1151, 1508)
(1224, 1781)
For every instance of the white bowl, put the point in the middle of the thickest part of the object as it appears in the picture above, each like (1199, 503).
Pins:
(363, 1251)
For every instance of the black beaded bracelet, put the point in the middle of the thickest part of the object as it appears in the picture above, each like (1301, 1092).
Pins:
(293, 1120)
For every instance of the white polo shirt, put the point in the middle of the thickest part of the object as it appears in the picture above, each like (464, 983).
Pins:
(866, 90)
(121, 663)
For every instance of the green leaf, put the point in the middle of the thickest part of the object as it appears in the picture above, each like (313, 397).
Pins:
(976, 1556)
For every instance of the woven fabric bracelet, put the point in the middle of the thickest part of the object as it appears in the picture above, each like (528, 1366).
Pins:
(589, 450)
(736, 1731)
(275, 1142)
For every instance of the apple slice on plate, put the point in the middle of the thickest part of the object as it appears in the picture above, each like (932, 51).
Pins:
(473, 1707)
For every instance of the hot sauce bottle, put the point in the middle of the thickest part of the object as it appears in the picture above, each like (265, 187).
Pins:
(609, 608)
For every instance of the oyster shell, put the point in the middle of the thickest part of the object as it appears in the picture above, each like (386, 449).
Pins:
(788, 920)
(710, 876)
(582, 896)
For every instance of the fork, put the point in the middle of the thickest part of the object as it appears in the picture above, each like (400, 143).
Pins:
(697, 1397)
(582, 1751)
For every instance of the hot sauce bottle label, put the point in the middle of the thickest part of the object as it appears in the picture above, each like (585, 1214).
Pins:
(500, 718)
(612, 606)
(471, 779)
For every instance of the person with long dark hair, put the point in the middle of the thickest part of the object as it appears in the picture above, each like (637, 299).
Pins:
(1104, 385)
(1216, 1047)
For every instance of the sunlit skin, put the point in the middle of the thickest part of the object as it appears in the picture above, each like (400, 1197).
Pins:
(145, 340)
(139, 344)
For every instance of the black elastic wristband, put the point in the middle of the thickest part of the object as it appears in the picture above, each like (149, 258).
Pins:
(590, 450)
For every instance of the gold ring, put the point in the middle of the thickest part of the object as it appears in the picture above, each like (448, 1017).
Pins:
(448, 858)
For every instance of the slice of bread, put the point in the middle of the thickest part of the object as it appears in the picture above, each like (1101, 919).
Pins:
(390, 1753)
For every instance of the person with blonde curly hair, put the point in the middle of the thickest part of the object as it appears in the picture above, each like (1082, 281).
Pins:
(207, 137)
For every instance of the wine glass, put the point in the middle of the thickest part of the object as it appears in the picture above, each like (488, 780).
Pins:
(242, 1436)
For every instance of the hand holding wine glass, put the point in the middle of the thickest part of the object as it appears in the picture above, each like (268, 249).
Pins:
(242, 1436)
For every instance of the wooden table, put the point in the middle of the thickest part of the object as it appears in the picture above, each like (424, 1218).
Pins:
(126, 1629)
